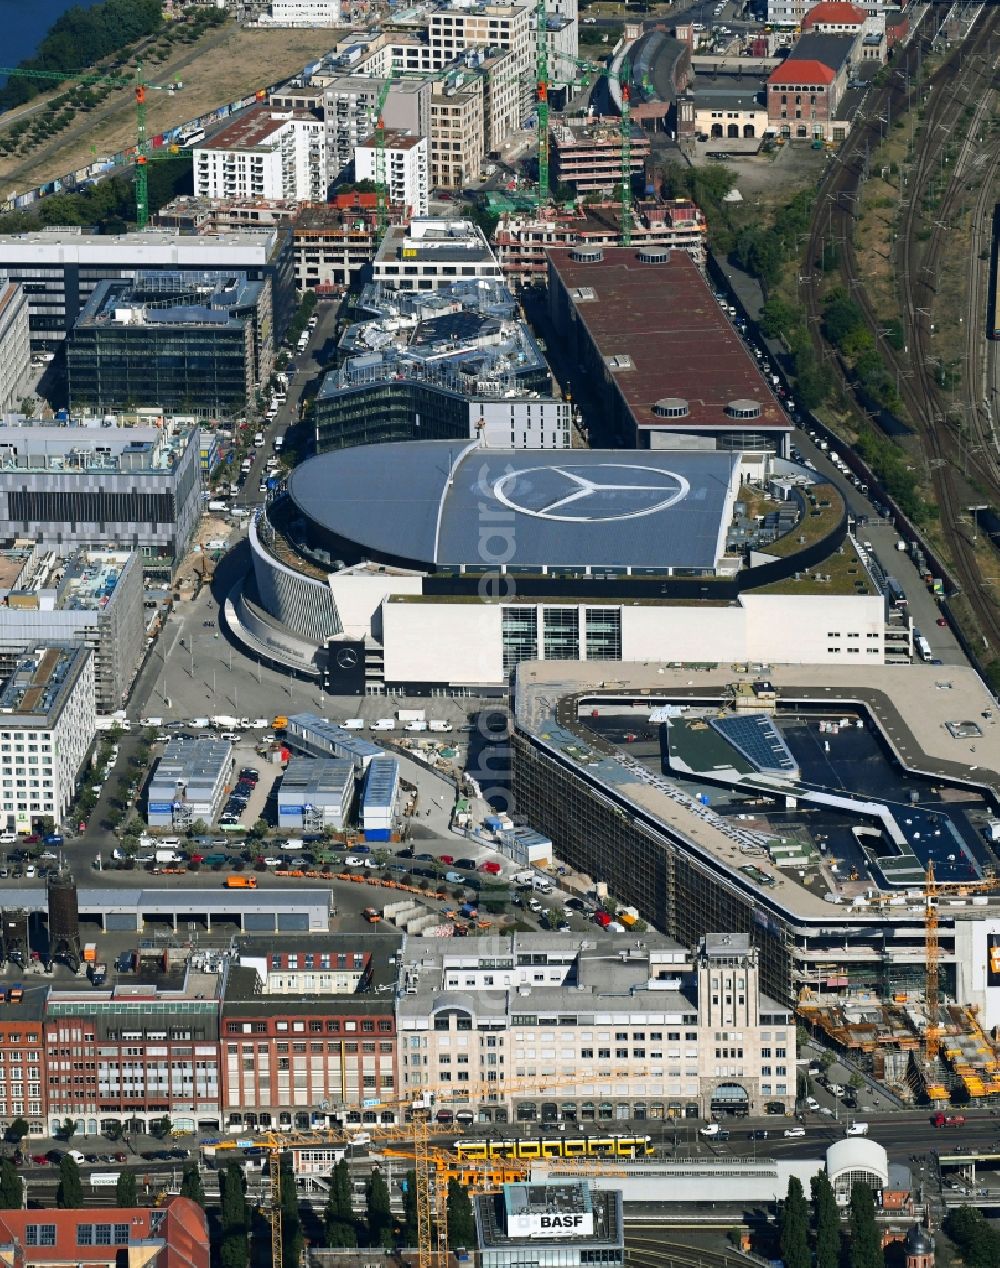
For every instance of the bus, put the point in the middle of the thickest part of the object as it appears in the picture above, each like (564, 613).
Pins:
(557, 1147)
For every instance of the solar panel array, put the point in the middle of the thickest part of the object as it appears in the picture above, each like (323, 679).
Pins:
(756, 738)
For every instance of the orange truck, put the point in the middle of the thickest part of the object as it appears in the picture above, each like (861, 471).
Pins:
(371, 915)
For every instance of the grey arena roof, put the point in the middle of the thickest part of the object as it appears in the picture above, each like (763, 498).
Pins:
(439, 503)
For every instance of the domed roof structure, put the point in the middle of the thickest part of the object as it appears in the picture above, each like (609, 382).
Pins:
(919, 1241)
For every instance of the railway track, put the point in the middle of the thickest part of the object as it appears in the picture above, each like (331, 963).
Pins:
(964, 81)
(649, 1252)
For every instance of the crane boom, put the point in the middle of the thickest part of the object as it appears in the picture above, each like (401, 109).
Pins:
(381, 192)
(142, 148)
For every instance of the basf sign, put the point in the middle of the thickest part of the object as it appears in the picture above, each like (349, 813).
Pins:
(552, 1224)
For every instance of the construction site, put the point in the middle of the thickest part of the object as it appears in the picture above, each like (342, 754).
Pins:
(882, 916)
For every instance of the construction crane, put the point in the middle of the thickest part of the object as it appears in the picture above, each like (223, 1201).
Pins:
(933, 890)
(625, 76)
(417, 1106)
(142, 150)
(381, 192)
(542, 91)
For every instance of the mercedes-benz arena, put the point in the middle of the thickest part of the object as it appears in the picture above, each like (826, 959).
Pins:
(438, 566)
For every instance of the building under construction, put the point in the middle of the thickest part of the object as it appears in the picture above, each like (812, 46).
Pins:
(588, 155)
(525, 234)
(904, 972)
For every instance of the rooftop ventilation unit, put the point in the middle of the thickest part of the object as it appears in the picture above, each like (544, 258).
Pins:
(587, 255)
(671, 407)
(654, 255)
(743, 409)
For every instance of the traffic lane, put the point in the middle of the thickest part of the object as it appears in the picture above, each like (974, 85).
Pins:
(308, 366)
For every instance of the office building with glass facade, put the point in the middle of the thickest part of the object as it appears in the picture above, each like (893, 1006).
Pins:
(196, 344)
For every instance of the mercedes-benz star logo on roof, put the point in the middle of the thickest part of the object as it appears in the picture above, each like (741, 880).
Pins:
(599, 494)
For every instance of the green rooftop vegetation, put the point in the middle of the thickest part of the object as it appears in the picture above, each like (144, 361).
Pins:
(846, 573)
(824, 511)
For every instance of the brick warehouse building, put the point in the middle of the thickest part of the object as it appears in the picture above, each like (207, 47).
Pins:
(135, 1054)
(171, 1236)
(308, 1026)
(804, 93)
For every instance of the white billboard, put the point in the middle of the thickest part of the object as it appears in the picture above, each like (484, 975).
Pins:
(552, 1224)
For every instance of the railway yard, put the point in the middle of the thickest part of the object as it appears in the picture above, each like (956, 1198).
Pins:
(948, 99)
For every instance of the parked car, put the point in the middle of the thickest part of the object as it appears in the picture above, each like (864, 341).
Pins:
(794, 1132)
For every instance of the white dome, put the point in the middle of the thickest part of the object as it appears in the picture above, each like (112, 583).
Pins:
(857, 1153)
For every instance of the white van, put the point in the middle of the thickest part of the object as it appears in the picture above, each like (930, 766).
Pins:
(354, 724)
(384, 724)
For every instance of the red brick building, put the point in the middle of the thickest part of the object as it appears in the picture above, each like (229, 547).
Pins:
(22, 1058)
(135, 1055)
(307, 1026)
(171, 1236)
(805, 91)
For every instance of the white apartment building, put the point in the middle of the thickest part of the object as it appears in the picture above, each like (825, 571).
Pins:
(306, 13)
(15, 349)
(405, 170)
(595, 1031)
(47, 725)
(349, 105)
(265, 154)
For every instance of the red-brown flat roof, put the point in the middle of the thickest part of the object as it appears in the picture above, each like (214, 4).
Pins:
(249, 130)
(666, 319)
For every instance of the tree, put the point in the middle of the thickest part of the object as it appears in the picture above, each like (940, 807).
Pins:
(17, 1131)
(126, 1191)
(978, 1242)
(11, 1188)
(191, 1185)
(234, 1252)
(163, 1126)
(69, 1195)
(825, 1222)
(291, 1224)
(379, 1210)
(233, 1199)
(461, 1225)
(866, 1245)
(339, 1214)
(409, 1233)
(795, 1227)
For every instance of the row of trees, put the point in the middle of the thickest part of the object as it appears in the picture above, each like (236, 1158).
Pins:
(810, 1231)
(379, 1228)
(107, 205)
(81, 38)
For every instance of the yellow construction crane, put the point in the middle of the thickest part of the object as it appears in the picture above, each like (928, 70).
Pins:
(933, 890)
(417, 1108)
